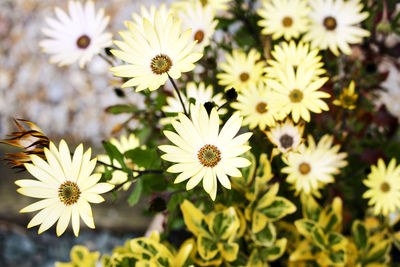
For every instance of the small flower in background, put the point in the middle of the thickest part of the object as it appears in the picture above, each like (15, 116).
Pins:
(76, 37)
(334, 25)
(294, 55)
(149, 13)
(383, 187)
(284, 18)
(31, 140)
(297, 93)
(66, 186)
(161, 51)
(202, 152)
(241, 70)
(81, 256)
(200, 93)
(314, 165)
(123, 145)
(286, 136)
(347, 98)
(203, 26)
(254, 104)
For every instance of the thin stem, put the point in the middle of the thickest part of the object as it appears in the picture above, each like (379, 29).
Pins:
(136, 171)
(179, 94)
(106, 60)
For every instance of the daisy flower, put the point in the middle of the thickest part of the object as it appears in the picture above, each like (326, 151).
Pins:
(286, 136)
(76, 37)
(162, 50)
(202, 152)
(254, 105)
(313, 166)
(334, 25)
(149, 13)
(123, 145)
(203, 27)
(347, 98)
(383, 187)
(66, 186)
(287, 18)
(293, 54)
(241, 70)
(298, 94)
(200, 93)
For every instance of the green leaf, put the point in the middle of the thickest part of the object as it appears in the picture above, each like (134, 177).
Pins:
(360, 234)
(175, 201)
(337, 256)
(279, 208)
(318, 237)
(114, 153)
(275, 251)
(207, 247)
(304, 227)
(137, 191)
(266, 236)
(224, 224)
(146, 158)
(117, 109)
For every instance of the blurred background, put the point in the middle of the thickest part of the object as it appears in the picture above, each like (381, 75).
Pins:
(67, 103)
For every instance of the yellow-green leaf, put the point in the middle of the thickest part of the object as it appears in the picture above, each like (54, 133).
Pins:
(360, 234)
(277, 209)
(224, 224)
(194, 219)
(206, 247)
(228, 251)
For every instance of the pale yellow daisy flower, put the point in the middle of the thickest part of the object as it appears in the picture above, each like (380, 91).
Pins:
(162, 50)
(66, 185)
(286, 136)
(241, 70)
(202, 152)
(383, 187)
(284, 18)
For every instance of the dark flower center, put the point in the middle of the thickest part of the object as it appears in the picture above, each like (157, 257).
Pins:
(385, 187)
(261, 107)
(287, 21)
(330, 23)
(286, 141)
(209, 156)
(160, 64)
(296, 96)
(199, 36)
(304, 168)
(83, 42)
(244, 76)
(69, 193)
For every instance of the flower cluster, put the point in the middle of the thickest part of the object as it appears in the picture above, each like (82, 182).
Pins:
(244, 129)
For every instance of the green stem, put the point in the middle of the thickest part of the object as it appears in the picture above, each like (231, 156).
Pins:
(179, 94)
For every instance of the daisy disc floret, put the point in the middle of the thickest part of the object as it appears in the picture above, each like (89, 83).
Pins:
(77, 36)
(383, 184)
(154, 52)
(284, 18)
(202, 152)
(241, 70)
(297, 93)
(334, 25)
(314, 165)
(66, 186)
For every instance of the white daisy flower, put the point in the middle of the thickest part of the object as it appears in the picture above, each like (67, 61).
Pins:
(66, 186)
(334, 25)
(286, 136)
(202, 152)
(76, 37)
(203, 27)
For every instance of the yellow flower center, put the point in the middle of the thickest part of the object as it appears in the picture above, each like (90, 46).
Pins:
(160, 64)
(296, 96)
(385, 187)
(244, 76)
(304, 168)
(204, 2)
(330, 23)
(209, 156)
(83, 42)
(69, 193)
(286, 141)
(261, 107)
(199, 36)
(287, 21)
